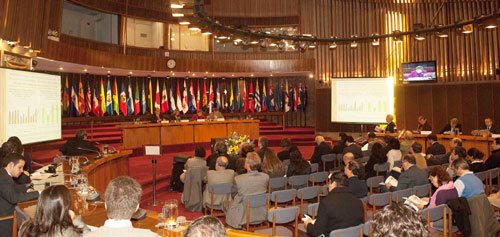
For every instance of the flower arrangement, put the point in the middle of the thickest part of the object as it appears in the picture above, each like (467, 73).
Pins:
(233, 142)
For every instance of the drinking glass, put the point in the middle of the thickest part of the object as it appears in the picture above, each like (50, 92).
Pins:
(169, 211)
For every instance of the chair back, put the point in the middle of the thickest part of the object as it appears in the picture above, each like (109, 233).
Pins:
(380, 199)
(318, 177)
(283, 215)
(312, 209)
(374, 182)
(298, 180)
(224, 188)
(328, 157)
(482, 175)
(381, 167)
(398, 163)
(494, 172)
(435, 213)
(277, 183)
(258, 200)
(367, 228)
(314, 167)
(308, 192)
(241, 233)
(348, 232)
(397, 196)
(283, 196)
(367, 153)
(324, 189)
(14, 222)
(422, 190)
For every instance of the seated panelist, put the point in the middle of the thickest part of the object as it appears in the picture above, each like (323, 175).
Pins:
(156, 117)
(78, 145)
(488, 125)
(451, 127)
(198, 115)
(216, 114)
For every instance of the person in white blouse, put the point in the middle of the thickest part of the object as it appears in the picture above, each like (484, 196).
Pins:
(394, 153)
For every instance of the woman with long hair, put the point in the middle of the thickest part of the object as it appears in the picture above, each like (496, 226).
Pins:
(377, 156)
(272, 165)
(53, 216)
(297, 166)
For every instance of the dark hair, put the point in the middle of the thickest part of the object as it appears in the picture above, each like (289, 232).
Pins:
(372, 135)
(285, 143)
(460, 151)
(293, 148)
(475, 154)
(410, 159)
(398, 219)
(80, 134)
(51, 213)
(205, 226)
(239, 166)
(440, 173)
(17, 142)
(220, 147)
(7, 148)
(457, 141)
(11, 157)
(263, 141)
(349, 139)
(417, 147)
(394, 143)
(296, 157)
(355, 168)
(340, 179)
(199, 151)
(123, 195)
(460, 163)
(432, 137)
(246, 149)
(378, 153)
(497, 140)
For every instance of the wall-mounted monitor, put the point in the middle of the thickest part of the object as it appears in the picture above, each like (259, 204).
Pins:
(419, 71)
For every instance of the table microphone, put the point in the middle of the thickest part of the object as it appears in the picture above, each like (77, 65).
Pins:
(99, 156)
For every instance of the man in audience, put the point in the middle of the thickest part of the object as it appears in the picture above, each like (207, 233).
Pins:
(435, 148)
(352, 148)
(339, 147)
(416, 151)
(220, 175)
(195, 162)
(423, 125)
(349, 158)
(78, 145)
(391, 126)
(452, 127)
(205, 226)
(494, 160)
(338, 210)
(9, 147)
(220, 149)
(357, 186)
(251, 183)
(467, 185)
(398, 219)
(411, 176)
(406, 144)
(372, 139)
(10, 192)
(123, 195)
(322, 148)
(488, 125)
(262, 143)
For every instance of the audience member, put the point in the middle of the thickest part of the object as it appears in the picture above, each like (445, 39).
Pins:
(357, 186)
(348, 158)
(339, 209)
(411, 176)
(220, 149)
(198, 115)
(195, 162)
(78, 145)
(53, 216)
(322, 148)
(272, 166)
(251, 183)
(239, 167)
(423, 125)
(263, 142)
(416, 151)
(285, 144)
(220, 175)
(391, 126)
(445, 187)
(394, 153)
(205, 226)
(12, 146)
(351, 147)
(467, 185)
(488, 125)
(122, 198)
(10, 192)
(398, 219)
(494, 160)
(452, 127)
(372, 139)
(406, 144)
(20, 149)
(435, 148)
(339, 147)
(376, 157)
(476, 157)
(243, 149)
(297, 166)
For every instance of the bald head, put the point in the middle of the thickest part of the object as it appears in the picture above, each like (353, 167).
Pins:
(408, 135)
(221, 163)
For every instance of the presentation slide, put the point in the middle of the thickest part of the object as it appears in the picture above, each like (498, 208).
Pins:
(30, 106)
(362, 100)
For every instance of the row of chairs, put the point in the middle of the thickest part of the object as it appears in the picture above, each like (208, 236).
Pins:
(487, 177)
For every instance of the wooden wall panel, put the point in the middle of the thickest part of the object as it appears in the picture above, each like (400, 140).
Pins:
(439, 116)
(469, 106)
(253, 8)
(485, 101)
(412, 97)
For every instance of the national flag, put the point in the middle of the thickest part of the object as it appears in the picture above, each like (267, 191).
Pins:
(258, 106)
(192, 98)
(137, 101)
(74, 100)
(244, 97)
(179, 100)
(295, 97)
(299, 98)
(185, 102)
(171, 102)
(218, 101)
(251, 97)
(130, 98)
(238, 96)
(143, 97)
(264, 96)
(116, 101)
(231, 97)
(157, 95)
(198, 103)
(102, 98)
(150, 97)
(88, 107)
(205, 100)
(66, 94)
(109, 100)
(81, 97)
(164, 99)
(97, 107)
(211, 103)
(287, 99)
(123, 99)
(272, 103)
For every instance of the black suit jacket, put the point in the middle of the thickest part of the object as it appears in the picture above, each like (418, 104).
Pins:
(340, 209)
(284, 155)
(447, 128)
(355, 150)
(493, 129)
(358, 187)
(11, 194)
(322, 149)
(390, 128)
(212, 159)
(71, 147)
(154, 119)
(436, 149)
(424, 127)
(494, 160)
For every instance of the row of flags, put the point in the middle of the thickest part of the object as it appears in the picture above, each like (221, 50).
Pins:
(101, 100)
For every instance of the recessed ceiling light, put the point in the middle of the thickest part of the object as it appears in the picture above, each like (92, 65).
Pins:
(61, 68)
(177, 6)
(177, 14)
(184, 23)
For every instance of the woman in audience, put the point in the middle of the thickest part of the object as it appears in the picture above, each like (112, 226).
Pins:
(477, 164)
(297, 166)
(398, 219)
(53, 216)
(285, 144)
(445, 188)
(377, 157)
(239, 166)
(394, 153)
(272, 165)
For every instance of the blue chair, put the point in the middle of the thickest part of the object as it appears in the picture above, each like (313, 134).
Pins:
(379, 200)
(314, 167)
(398, 196)
(298, 181)
(307, 194)
(422, 190)
(283, 196)
(217, 189)
(328, 158)
(381, 167)
(348, 232)
(494, 173)
(254, 201)
(281, 216)
(312, 210)
(318, 177)
(324, 189)
(374, 182)
(367, 228)
(441, 216)
(278, 183)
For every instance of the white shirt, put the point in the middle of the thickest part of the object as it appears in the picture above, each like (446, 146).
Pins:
(459, 185)
(393, 155)
(117, 223)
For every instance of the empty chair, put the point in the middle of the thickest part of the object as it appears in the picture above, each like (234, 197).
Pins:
(255, 201)
(281, 216)
(14, 222)
(381, 167)
(398, 163)
(379, 200)
(348, 232)
(217, 189)
(318, 177)
(314, 167)
(329, 158)
(374, 182)
(298, 181)
(283, 196)
(484, 176)
(439, 215)
(278, 183)
(307, 194)
(494, 173)
(422, 190)
(398, 196)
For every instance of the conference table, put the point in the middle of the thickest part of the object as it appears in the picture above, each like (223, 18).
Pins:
(468, 141)
(137, 135)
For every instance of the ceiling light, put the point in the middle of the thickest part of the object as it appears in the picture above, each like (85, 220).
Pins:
(332, 45)
(130, 72)
(397, 37)
(312, 46)
(109, 72)
(184, 23)
(177, 6)
(238, 39)
(376, 42)
(222, 37)
(490, 23)
(85, 70)
(419, 37)
(193, 28)
(354, 44)
(467, 29)
(61, 68)
(254, 41)
(235, 42)
(206, 33)
(177, 14)
(311, 75)
(273, 44)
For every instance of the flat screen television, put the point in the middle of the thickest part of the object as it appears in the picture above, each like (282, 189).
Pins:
(419, 71)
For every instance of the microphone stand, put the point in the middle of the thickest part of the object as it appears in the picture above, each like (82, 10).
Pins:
(99, 156)
(154, 202)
